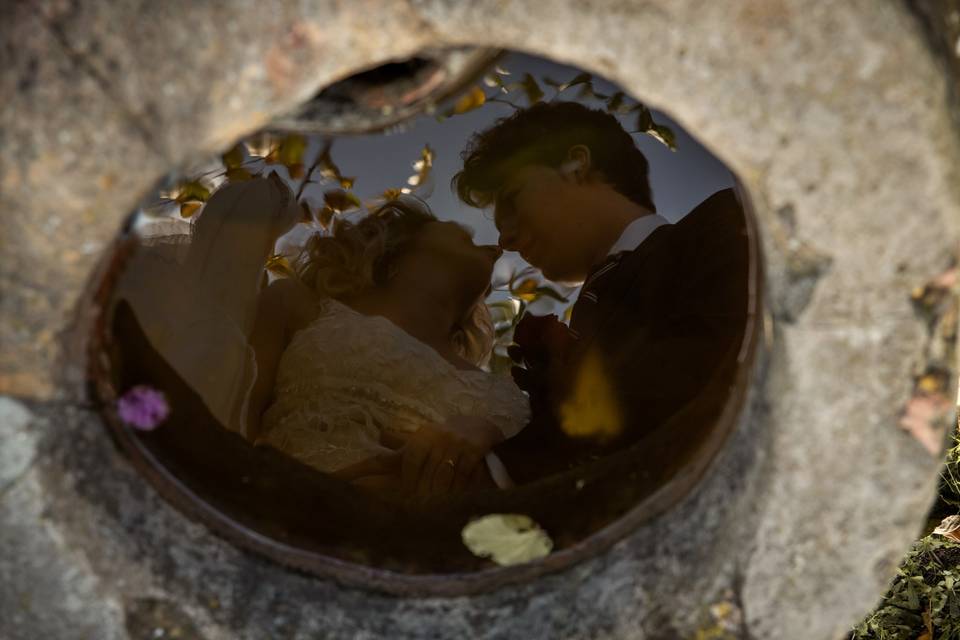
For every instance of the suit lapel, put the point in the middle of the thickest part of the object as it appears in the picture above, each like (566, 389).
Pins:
(585, 309)
(616, 283)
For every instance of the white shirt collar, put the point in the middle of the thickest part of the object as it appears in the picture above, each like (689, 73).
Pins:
(636, 232)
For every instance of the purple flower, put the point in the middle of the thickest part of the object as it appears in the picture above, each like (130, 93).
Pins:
(143, 407)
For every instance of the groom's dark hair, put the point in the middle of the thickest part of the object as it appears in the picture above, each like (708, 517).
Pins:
(541, 135)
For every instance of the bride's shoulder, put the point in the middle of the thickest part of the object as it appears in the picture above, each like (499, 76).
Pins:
(287, 290)
(299, 304)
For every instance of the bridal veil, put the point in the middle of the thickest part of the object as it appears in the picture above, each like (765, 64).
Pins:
(195, 291)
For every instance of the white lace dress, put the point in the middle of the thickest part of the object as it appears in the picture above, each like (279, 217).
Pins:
(347, 377)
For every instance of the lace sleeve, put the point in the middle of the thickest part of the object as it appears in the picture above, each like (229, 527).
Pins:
(509, 407)
(342, 434)
(347, 379)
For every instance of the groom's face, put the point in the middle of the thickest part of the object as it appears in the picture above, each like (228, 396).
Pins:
(540, 214)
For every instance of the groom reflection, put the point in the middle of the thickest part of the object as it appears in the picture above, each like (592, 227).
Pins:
(655, 332)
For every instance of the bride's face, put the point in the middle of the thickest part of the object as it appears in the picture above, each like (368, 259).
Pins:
(448, 247)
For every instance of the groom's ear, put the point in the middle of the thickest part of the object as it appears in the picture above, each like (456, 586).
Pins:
(577, 164)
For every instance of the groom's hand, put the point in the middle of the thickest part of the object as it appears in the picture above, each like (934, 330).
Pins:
(542, 352)
(540, 340)
(442, 458)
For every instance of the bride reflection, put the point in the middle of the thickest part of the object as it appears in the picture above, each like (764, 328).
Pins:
(369, 358)
(364, 364)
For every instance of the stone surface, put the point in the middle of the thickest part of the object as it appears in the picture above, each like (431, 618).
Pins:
(19, 443)
(836, 112)
(941, 18)
(67, 177)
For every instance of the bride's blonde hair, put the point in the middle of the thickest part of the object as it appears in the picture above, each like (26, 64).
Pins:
(360, 255)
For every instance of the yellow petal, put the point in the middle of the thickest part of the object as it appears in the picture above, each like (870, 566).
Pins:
(506, 538)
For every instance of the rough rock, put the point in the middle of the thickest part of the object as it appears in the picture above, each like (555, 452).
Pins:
(836, 110)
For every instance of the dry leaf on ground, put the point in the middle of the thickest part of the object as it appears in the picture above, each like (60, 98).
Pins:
(924, 419)
(949, 527)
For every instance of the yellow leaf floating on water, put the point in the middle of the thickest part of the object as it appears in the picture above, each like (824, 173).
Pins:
(296, 170)
(506, 538)
(423, 167)
(234, 158)
(292, 149)
(329, 169)
(187, 209)
(591, 410)
(391, 194)
(279, 265)
(664, 135)
(526, 290)
(192, 191)
(326, 216)
(261, 145)
(340, 200)
(470, 101)
(531, 89)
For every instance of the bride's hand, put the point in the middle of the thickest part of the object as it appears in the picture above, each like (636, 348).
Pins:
(442, 458)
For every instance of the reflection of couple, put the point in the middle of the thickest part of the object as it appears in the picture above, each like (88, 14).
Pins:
(368, 364)
(376, 348)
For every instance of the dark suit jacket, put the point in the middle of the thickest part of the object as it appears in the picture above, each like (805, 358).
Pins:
(663, 319)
